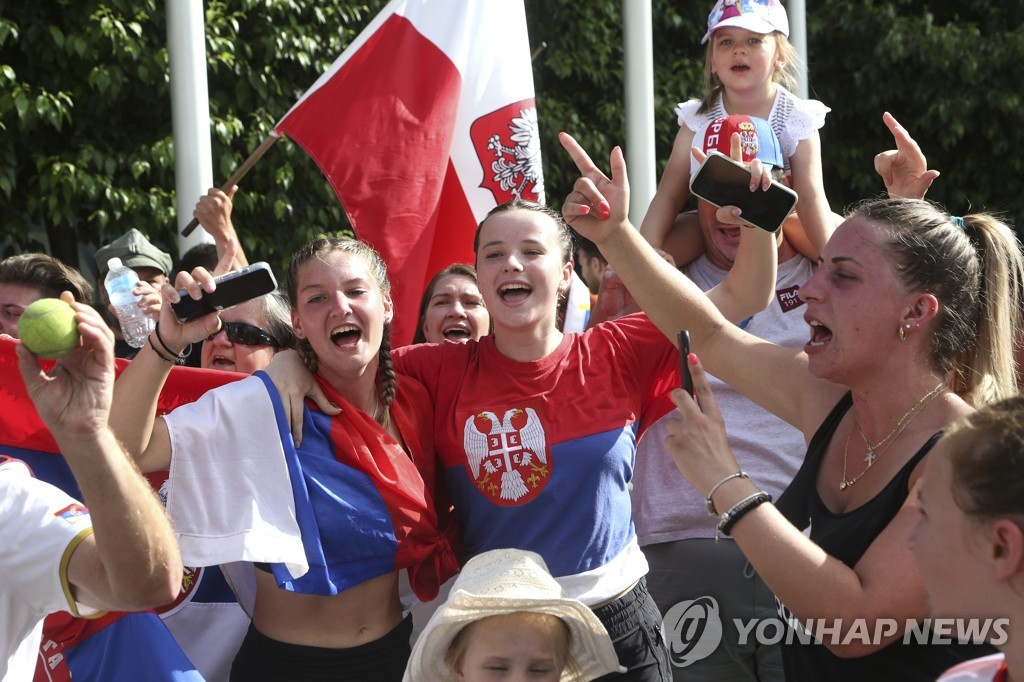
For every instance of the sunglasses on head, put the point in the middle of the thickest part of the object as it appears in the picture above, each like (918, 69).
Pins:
(245, 334)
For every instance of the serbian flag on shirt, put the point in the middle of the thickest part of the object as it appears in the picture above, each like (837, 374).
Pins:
(425, 123)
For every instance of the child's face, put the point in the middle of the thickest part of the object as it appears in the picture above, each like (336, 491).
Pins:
(743, 59)
(511, 648)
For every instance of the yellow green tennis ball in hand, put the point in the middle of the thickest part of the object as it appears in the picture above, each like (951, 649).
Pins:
(49, 328)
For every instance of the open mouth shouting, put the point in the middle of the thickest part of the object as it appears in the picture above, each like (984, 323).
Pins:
(221, 361)
(457, 331)
(347, 335)
(730, 232)
(514, 292)
(820, 335)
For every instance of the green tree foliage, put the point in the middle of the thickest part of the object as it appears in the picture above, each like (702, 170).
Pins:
(947, 71)
(85, 116)
(87, 149)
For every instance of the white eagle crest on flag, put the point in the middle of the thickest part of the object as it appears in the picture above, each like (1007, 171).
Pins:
(518, 167)
(507, 144)
(508, 450)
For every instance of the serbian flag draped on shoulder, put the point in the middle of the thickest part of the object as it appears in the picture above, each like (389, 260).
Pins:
(422, 125)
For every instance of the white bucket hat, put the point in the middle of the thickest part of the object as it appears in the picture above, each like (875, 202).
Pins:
(505, 581)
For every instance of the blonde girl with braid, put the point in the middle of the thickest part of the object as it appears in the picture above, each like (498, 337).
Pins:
(356, 327)
(362, 464)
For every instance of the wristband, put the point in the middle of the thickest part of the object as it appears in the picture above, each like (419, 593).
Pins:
(177, 356)
(708, 504)
(158, 353)
(738, 510)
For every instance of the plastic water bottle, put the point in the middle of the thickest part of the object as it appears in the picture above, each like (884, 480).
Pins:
(120, 282)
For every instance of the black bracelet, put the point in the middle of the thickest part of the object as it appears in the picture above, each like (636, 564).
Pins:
(738, 510)
(159, 354)
(176, 356)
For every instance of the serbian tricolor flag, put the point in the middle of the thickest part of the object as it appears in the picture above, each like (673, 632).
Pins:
(422, 125)
(347, 505)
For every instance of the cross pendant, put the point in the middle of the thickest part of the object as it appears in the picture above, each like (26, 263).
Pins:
(870, 457)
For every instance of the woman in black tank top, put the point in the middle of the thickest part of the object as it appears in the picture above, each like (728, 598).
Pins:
(911, 318)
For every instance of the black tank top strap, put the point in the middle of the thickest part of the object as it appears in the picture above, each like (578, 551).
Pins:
(794, 503)
(903, 477)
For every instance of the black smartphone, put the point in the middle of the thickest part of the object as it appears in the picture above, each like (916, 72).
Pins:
(724, 182)
(233, 288)
(684, 362)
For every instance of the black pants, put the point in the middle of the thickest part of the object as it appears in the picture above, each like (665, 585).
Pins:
(634, 623)
(262, 659)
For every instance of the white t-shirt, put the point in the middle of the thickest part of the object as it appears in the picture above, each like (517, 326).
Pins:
(40, 527)
(665, 506)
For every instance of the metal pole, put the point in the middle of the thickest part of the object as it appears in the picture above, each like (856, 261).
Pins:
(190, 108)
(638, 47)
(797, 11)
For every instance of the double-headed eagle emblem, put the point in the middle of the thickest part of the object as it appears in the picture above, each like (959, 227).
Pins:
(506, 449)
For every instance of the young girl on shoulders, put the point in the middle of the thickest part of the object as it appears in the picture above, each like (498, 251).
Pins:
(747, 69)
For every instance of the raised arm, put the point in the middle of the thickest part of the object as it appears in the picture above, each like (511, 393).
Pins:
(812, 584)
(749, 285)
(213, 211)
(133, 415)
(904, 170)
(673, 191)
(131, 561)
(773, 376)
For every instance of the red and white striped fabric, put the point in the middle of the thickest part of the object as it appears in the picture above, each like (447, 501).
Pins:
(422, 125)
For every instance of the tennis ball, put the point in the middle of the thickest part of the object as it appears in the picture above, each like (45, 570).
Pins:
(49, 328)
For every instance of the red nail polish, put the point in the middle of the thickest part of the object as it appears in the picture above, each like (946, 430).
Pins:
(584, 209)
(604, 210)
(692, 358)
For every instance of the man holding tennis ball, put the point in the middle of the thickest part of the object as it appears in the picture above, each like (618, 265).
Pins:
(55, 554)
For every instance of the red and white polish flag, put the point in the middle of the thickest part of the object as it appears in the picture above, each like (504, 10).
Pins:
(423, 124)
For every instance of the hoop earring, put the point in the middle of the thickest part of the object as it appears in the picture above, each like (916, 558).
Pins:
(903, 333)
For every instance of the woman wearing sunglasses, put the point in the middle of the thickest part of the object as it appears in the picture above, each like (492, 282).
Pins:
(250, 334)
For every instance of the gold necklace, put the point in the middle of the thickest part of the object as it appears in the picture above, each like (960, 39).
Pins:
(874, 452)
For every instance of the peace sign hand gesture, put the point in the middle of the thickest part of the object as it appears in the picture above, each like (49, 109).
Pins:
(598, 205)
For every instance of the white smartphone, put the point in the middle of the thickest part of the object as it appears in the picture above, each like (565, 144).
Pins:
(724, 182)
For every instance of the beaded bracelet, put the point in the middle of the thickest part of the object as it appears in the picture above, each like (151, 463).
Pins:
(708, 504)
(738, 510)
